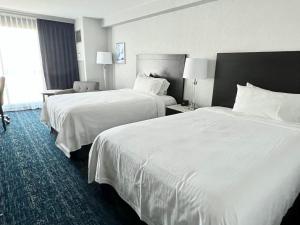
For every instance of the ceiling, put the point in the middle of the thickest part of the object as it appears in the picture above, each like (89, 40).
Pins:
(112, 11)
(73, 8)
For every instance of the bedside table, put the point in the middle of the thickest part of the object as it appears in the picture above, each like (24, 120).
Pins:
(174, 109)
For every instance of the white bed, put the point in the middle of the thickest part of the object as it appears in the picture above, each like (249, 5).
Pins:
(79, 118)
(209, 167)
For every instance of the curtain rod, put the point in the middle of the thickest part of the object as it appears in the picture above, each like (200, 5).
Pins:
(35, 16)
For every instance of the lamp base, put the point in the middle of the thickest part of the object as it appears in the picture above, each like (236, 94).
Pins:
(192, 106)
(105, 77)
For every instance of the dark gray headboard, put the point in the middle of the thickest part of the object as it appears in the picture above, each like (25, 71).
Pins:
(276, 71)
(168, 66)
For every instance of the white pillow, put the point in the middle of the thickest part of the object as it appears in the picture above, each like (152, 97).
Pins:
(140, 74)
(256, 102)
(148, 84)
(290, 107)
(165, 85)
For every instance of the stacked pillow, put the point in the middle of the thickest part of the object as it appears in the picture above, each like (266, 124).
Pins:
(165, 84)
(256, 101)
(157, 86)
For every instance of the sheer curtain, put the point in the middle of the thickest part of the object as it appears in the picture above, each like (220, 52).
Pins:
(20, 63)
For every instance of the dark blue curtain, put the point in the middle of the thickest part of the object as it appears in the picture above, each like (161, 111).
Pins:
(58, 49)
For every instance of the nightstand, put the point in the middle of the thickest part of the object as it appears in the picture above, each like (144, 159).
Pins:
(174, 109)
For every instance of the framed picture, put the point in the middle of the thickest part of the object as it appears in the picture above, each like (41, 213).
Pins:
(120, 53)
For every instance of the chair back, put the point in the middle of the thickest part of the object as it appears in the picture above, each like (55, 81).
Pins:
(2, 83)
(85, 86)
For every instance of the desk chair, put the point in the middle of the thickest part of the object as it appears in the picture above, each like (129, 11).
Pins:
(5, 119)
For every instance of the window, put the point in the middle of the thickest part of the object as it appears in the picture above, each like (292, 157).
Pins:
(20, 62)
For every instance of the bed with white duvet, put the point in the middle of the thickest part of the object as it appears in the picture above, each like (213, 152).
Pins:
(211, 166)
(79, 118)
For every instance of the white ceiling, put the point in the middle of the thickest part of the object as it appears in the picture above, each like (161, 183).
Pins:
(72, 8)
(112, 11)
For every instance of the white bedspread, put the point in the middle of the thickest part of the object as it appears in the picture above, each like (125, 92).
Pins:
(208, 167)
(79, 118)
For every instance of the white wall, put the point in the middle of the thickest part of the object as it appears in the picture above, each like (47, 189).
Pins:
(94, 38)
(204, 30)
(80, 51)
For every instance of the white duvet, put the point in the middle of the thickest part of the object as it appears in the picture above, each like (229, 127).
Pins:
(79, 118)
(207, 167)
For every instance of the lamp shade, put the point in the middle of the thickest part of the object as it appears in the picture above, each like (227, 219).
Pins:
(195, 68)
(104, 58)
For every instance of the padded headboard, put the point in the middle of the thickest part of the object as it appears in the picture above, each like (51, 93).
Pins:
(276, 71)
(168, 66)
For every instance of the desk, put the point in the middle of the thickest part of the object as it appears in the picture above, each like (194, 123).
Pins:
(49, 93)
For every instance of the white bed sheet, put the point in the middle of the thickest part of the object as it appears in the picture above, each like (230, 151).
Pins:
(208, 167)
(79, 118)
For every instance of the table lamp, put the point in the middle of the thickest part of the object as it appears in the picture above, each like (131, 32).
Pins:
(104, 58)
(194, 69)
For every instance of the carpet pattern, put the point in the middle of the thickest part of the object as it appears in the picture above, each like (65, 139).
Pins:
(39, 185)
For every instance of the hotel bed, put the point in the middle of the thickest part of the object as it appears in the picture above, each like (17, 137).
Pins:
(213, 166)
(79, 118)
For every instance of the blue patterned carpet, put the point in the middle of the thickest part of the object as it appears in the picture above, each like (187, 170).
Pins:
(39, 185)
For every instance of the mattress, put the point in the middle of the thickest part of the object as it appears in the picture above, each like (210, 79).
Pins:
(210, 167)
(79, 118)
